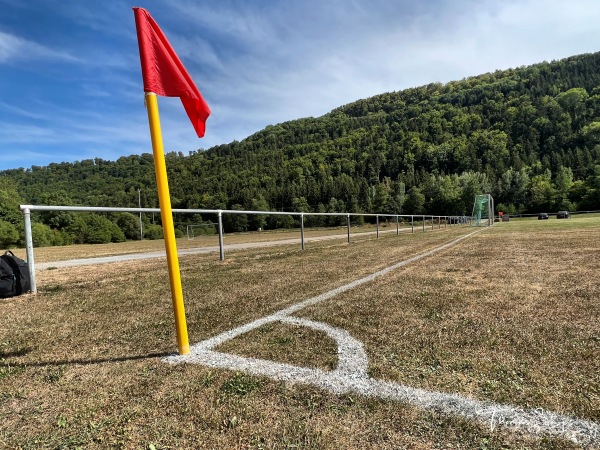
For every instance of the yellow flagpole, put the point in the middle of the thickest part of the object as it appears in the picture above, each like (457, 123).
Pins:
(167, 222)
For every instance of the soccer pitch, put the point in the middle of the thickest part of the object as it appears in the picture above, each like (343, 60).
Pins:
(505, 317)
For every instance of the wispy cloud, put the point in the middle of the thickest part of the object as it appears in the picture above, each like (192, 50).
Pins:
(20, 111)
(14, 49)
(257, 63)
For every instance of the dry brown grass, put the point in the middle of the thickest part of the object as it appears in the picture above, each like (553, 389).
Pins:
(296, 345)
(509, 315)
(512, 317)
(67, 252)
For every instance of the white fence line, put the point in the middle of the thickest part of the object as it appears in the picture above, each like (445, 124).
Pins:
(27, 209)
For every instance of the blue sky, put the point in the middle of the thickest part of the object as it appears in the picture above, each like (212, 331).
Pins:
(70, 79)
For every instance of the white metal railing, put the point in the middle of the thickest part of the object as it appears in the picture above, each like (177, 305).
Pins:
(27, 209)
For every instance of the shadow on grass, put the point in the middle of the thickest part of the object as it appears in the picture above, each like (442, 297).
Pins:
(65, 362)
(15, 353)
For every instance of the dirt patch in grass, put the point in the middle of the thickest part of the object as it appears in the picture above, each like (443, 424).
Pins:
(80, 362)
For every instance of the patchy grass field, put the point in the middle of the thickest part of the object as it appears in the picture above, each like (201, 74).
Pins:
(509, 315)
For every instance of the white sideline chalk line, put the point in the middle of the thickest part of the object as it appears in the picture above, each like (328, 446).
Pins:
(351, 374)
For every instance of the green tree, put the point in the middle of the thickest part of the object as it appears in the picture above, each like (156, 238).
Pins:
(573, 100)
(542, 193)
(280, 221)
(56, 219)
(129, 224)
(380, 198)
(577, 192)
(91, 228)
(415, 201)
(9, 236)
(562, 186)
(153, 232)
(513, 189)
(9, 203)
(591, 199)
(44, 236)
(233, 223)
(473, 184)
(449, 200)
(258, 221)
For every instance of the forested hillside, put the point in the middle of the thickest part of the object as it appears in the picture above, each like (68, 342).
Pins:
(529, 136)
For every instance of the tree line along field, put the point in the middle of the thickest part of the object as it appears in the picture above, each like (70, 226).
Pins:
(529, 136)
(508, 315)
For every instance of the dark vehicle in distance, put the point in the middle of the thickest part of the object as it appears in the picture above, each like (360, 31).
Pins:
(543, 216)
(563, 215)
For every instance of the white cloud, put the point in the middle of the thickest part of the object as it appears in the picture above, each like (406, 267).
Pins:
(261, 63)
(442, 46)
(15, 48)
(298, 59)
(20, 111)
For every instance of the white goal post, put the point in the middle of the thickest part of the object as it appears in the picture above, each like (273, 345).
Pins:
(483, 211)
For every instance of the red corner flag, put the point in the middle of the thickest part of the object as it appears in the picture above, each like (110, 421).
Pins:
(163, 72)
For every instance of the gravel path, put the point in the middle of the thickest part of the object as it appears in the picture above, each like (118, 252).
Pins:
(195, 251)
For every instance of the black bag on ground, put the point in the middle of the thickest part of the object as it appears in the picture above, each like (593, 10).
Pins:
(14, 276)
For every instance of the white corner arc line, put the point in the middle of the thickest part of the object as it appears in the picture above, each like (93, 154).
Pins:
(352, 358)
(351, 374)
(534, 421)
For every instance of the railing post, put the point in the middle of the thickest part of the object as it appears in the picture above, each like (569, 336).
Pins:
(29, 249)
(412, 224)
(378, 226)
(397, 226)
(221, 249)
(423, 224)
(140, 206)
(302, 230)
(431, 223)
(348, 220)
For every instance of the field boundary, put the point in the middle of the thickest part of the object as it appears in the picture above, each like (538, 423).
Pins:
(198, 250)
(28, 209)
(351, 374)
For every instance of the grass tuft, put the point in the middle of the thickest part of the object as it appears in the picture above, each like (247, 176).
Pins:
(240, 385)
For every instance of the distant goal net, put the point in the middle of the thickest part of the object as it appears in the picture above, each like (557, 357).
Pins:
(483, 211)
(201, 229)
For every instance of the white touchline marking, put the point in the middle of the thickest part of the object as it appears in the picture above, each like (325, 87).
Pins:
(351, 374)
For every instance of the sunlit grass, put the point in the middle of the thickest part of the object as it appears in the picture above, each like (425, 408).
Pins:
(508, 315)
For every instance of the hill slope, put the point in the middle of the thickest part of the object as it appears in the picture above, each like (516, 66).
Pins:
(530, 136)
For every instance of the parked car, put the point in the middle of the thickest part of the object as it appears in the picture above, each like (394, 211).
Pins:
(563, 215)
(543, 216)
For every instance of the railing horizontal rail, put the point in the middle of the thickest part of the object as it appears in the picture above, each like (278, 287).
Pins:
(215, 211)
(411, 218)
